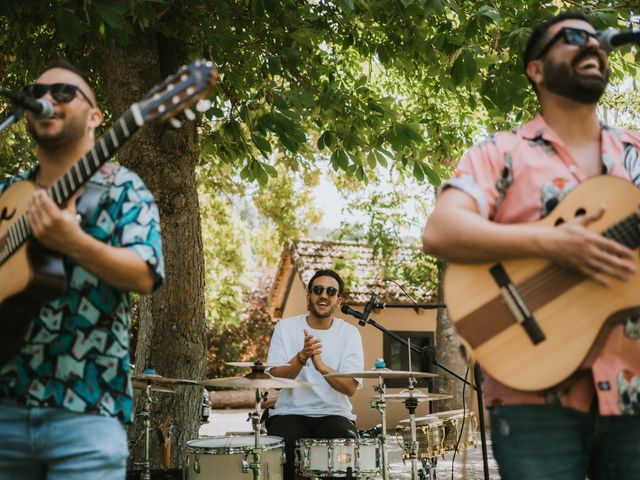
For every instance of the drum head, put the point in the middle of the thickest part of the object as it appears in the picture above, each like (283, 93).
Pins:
(450, 413)
(421, 421)
(232, 442)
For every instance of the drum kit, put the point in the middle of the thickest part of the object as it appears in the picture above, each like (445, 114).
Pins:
(261, 456)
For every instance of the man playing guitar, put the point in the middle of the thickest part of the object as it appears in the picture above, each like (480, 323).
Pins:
(66, 393)
(588, 425)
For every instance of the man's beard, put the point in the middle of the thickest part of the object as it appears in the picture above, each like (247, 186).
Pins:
(563, 80)
(328, 314)
(71, 132)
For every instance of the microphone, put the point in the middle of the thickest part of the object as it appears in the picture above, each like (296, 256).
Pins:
(364, 315)
(42, 108)
(347, 310)
(611, 38)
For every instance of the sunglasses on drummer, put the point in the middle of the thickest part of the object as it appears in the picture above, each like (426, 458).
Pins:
(60, 92)
(318, 289)
(571, 36)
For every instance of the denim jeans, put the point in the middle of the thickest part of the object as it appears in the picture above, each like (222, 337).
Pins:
(56, 444)
(556, 443)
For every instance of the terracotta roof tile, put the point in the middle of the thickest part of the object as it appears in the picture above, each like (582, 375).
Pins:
(356, 264)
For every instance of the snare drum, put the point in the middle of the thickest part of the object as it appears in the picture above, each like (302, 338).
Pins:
(459, 425)
(230, 456)
(339, 457)
(430, 434)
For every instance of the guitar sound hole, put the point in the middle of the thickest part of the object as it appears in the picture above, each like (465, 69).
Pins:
(559, 221)
(581, 211)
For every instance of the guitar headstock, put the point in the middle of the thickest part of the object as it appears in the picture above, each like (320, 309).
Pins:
(182, 89)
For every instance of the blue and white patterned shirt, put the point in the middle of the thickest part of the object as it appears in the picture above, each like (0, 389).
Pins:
(75, 354)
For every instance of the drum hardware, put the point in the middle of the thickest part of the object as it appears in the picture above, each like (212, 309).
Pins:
(429, 354)
(259, 381)
(150, 382)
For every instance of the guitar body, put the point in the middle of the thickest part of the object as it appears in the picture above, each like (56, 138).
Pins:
(573, 313)
(29, 278)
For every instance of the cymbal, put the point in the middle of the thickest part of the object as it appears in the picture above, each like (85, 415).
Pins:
(415, 394)
(154, 378)
(247, 382)
(381, 372)
(153, 388)
(257, 364)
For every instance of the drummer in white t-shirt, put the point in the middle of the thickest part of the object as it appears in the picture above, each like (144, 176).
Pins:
(314, 345)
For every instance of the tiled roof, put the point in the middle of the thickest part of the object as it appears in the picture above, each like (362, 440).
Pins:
(356, 264)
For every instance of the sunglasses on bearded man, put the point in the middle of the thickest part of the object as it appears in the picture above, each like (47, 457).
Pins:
(318, 289)
(60, 92)
(572, 36)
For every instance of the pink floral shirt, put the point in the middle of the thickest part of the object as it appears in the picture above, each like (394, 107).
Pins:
(533, 166)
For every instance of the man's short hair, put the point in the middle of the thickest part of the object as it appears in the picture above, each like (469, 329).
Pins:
(539, 35)
(64, 65)
(327, 273)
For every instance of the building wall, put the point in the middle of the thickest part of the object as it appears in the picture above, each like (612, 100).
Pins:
(403, 319)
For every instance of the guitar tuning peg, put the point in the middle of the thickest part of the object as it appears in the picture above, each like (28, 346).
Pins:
(175, 123)
(203, 105)
(189, 114)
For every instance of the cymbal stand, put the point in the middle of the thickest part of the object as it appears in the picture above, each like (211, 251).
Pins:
(145, 414)
(381, 405)
(257, 449)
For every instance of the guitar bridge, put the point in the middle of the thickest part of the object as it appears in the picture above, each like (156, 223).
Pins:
(516, 304)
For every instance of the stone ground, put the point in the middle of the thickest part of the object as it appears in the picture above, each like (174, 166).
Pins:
(469, 468)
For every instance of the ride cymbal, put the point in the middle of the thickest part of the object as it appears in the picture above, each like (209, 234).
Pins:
(154, 378)
(258, 364)
(153, 388)
(381, 372)
(416, 395)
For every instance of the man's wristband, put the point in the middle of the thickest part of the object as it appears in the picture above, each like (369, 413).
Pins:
(303, 363)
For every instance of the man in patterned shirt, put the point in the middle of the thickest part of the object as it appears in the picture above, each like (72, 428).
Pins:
(590, 424)
(65, 395)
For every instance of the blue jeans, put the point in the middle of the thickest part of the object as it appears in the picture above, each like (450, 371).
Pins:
(56, 444)
(556, 443)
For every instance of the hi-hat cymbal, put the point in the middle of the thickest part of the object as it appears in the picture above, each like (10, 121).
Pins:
(414, 394)
(153, 388)
(154, 378)
(381, 372)
(257, 364)
(264, 381)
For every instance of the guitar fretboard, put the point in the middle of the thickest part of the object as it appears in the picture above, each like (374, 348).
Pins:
(76, 176)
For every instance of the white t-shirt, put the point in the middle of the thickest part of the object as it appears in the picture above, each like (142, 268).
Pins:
(341, 351)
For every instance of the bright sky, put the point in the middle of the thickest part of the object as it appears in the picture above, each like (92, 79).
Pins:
(329, 200)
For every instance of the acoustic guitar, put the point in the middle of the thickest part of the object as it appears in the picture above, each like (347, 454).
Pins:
(530, 323)
(30, 274)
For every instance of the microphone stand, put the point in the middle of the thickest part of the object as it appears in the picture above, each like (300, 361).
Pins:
(13, 117)
(430, 354)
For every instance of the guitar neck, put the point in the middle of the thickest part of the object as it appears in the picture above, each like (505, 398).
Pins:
(76, 176)
(106, 146)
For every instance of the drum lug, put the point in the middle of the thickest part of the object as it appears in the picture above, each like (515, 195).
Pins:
(196, 464)
(245, 465)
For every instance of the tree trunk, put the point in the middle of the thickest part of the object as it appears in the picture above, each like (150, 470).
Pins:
(171, 336)
(448, 350)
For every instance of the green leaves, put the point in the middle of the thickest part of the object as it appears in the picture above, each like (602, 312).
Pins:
(256, 170)
(464, 68)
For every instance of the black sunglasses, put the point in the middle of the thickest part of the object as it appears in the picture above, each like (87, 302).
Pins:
(572, 36)
(61, 92)
(318, 289)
